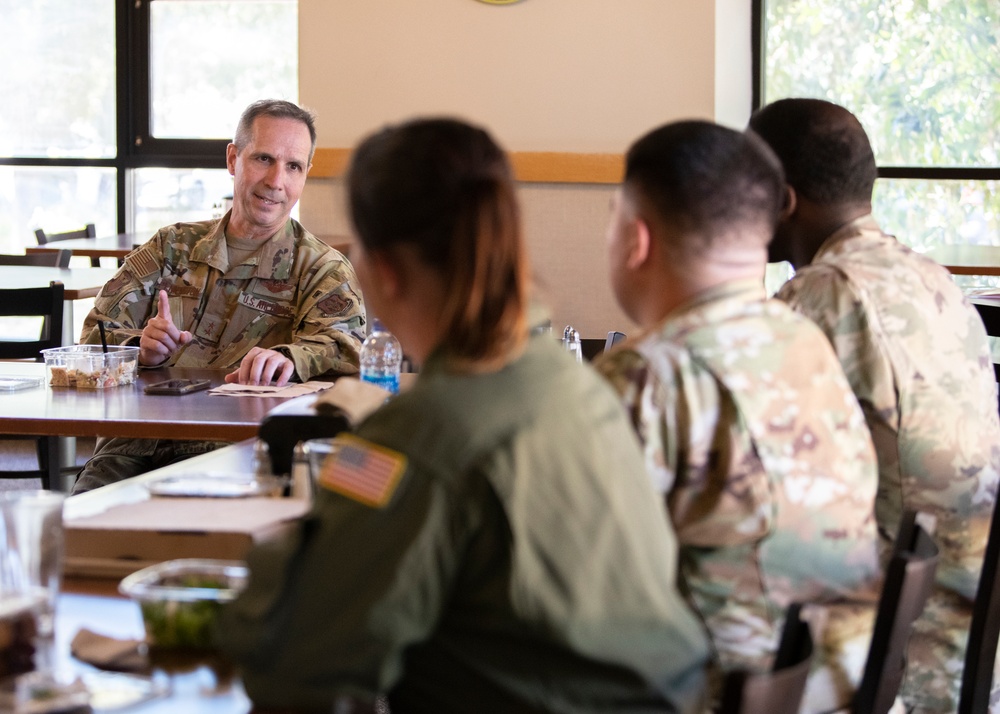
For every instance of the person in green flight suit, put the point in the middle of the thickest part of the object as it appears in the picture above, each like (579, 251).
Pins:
(488, 540)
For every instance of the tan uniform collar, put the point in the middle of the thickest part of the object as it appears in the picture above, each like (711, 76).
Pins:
(861, 224)
(212, 250)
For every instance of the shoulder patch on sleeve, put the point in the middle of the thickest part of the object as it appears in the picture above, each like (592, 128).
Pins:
(363, 471)
(114, 286)
(333, 305)
(143, 261)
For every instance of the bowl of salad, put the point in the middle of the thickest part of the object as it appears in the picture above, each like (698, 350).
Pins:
(180, 599)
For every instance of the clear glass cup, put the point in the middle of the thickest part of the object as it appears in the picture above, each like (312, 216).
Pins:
(31, 559)
(317, 451)
(31, 533)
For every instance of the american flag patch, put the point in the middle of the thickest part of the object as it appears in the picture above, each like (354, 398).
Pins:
(363, 471)
(143, 262)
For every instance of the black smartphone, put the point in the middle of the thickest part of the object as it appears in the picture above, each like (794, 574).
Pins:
(178, 386)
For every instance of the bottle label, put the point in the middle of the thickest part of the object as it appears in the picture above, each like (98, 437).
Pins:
(388, 382)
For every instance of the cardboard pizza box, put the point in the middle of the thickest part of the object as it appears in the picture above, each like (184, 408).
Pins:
(130, 536)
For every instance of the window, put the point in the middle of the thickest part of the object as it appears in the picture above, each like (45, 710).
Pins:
(923, 76)
(120, 110)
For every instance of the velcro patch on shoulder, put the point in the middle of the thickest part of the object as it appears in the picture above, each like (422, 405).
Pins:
(115, 285)
(143, 261)
(363, 471)
(333, 305)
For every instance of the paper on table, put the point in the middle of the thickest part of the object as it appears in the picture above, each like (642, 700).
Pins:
(109, 653)
(355, 398)
(251, 390)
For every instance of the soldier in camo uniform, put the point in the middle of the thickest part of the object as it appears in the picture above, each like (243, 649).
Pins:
(252, 292)
(748, 424)
(916, 355)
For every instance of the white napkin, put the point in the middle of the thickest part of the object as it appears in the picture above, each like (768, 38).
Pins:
(251, 390)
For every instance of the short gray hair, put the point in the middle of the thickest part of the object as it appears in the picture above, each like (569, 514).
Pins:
(278, 108)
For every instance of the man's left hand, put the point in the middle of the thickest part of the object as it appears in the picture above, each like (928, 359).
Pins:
(261, 366)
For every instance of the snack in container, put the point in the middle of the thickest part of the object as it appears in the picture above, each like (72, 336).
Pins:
(180, 599)
(90, 367)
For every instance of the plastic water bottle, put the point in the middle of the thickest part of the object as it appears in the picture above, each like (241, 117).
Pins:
(381, 356)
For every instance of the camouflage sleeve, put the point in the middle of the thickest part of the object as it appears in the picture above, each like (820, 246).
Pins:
(825, 295)
(648, 403)
(330, 324)
(689, 440)
(126, 302)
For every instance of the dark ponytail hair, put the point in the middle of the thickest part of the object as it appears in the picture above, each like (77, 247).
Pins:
(446, 189)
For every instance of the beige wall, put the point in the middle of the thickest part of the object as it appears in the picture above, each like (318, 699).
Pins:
(543, 75)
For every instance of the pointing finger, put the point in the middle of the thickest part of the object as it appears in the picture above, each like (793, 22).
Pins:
(164, 311)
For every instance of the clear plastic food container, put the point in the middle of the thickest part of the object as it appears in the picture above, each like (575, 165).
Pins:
(90, 367)
(180, 599)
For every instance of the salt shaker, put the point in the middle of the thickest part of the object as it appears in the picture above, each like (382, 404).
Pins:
(571, 342)
(301, 486)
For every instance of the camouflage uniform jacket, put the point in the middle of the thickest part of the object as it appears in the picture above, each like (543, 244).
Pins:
(295, 295)
(520, 563)
(751, 431)
(917, 357)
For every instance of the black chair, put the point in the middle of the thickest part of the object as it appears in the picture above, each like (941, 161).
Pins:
(779, 691)
(909, 579)
(981, 650)
(57, 259)
(988, 308)
(46, 303)
(90, 231)
(283, 432)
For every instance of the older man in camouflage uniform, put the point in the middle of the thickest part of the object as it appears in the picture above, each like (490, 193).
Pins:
(252, 292)
(748, 425)
(916, 355)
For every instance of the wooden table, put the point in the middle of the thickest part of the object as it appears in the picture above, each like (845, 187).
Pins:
(236, 458)
(967, 259)
(111, 246)
(79, 283)
(128, 412)
(94, 603)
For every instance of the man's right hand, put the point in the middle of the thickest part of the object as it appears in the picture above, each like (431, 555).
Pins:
(160, 337)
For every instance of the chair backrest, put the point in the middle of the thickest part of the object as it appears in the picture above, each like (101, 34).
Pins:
(779, 691)
(33, 302)
(909, 579)
(54, 259)
(90, 231)
(981, 650)
(614, 337)
(283, 432)
(989, 312)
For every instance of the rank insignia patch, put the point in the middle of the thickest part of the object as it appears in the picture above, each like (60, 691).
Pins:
(363, 471)
(333, 305)
(115, 285)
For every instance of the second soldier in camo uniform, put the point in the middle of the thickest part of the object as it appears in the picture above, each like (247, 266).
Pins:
(749, 427)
